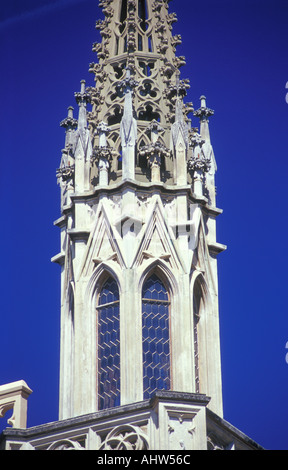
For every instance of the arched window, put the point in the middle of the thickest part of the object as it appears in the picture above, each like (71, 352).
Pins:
(142, 13)
(197, 299)
(148, 114)
(108, 346)
(199, 337)
(155, 336)
(123, 15)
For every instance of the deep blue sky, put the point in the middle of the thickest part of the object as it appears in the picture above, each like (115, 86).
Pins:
(236, 55)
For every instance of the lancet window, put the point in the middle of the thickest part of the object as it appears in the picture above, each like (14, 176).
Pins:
(142, 13)
(155, 336)
(123, 15)
(198, 311)
(108, 345)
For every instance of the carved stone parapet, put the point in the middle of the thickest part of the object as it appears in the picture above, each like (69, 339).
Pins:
(13, 396)
(126, 437)
(65, 444)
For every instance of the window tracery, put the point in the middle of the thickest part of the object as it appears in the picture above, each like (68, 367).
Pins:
(108, 345)
(155, 336)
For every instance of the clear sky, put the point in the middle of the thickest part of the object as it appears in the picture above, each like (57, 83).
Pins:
(236, 52)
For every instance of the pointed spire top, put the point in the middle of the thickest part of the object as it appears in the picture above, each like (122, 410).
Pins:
(82, 98)
(70, 112)
(203, 101)
(179, 124)
(204, 113)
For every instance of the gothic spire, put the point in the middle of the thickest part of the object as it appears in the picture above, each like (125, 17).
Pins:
(136, 34)
(137, 82)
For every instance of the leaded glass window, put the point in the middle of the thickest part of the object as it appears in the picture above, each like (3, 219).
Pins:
(198, 306)
(108, 346)
(196, 318)
(155, 336)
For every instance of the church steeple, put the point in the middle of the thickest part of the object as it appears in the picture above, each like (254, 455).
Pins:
(137, 35)
(138, 244)
(140, 364)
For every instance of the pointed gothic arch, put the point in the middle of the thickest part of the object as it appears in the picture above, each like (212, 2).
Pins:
(123, 15)
(108, 344)
(143, 14)
(155, 336)
(158, 288)
(99, 313)
(162, 270)
(201, 305)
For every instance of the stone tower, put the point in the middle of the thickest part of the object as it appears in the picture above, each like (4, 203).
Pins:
(140, 350)
(138, 244)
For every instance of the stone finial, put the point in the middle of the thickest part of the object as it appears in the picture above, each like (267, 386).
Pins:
(82, 99)
(128, 83)
(203, 112)
(69, 122)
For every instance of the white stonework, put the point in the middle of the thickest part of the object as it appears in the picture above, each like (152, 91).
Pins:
(138, 217)
(137, 200)
(171, 421)
(13, 396)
